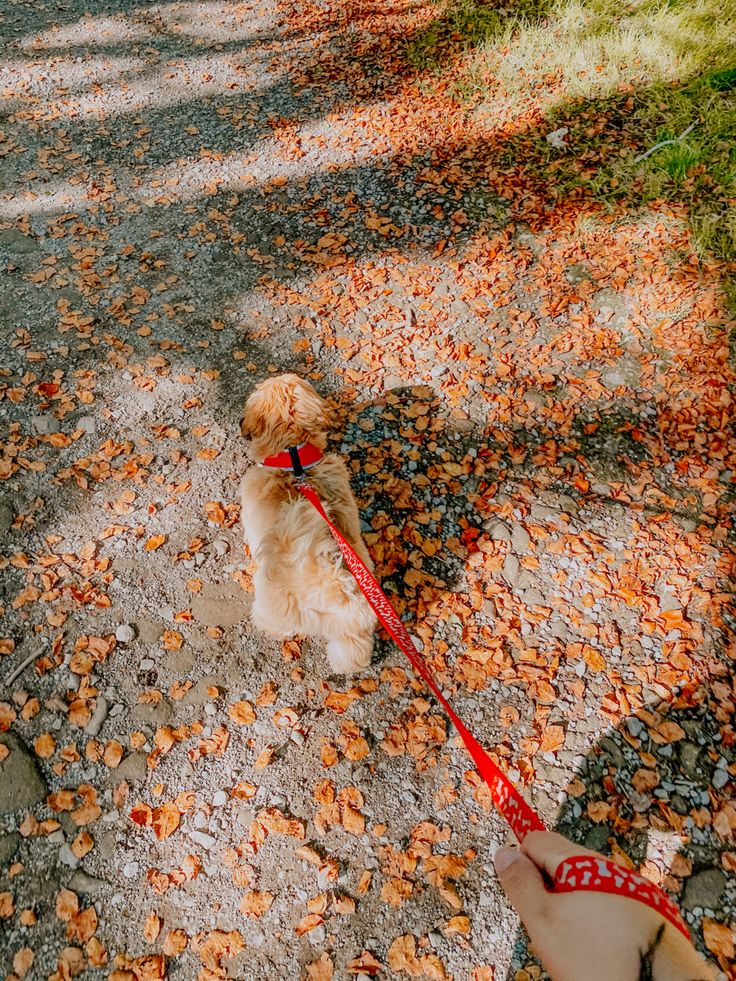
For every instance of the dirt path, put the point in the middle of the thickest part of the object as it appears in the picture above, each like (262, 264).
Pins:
(534, 399)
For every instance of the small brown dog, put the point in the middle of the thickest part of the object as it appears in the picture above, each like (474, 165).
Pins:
(301, 583)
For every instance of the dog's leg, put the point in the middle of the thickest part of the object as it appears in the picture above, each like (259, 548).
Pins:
(350, 652)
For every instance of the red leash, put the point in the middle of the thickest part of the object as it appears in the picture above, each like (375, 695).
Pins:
(580, 873)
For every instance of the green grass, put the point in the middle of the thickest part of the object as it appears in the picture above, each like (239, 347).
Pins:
(654, 67)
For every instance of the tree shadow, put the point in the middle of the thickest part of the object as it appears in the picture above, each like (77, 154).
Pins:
(656, 794)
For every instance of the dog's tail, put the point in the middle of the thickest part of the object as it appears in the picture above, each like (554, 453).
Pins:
(350, 652)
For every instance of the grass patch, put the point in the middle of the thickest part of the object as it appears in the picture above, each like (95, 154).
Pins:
(649, 68)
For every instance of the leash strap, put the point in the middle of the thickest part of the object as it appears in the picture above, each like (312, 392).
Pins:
(580, 873)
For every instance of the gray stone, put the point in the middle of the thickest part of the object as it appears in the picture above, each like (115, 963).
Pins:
(220, 605)
(180, 662)
(533, 597)
(203, 839)
(102, 707)
(44, 425)
(499, 530)
(67, 857)
(87, 884)
(21, 783)
(197, 694)
(510, 569)
(157, 715)
(133, 768)
(149, 631)
(705, 889)
(126, 633)
(7, 515)
(9, 842)
(690, 760)
(613, 379)
(11, 240)
(520, 539)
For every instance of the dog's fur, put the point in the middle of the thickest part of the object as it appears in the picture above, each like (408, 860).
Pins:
(301, 585)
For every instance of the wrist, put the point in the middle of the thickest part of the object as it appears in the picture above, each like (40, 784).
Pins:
(671, 957)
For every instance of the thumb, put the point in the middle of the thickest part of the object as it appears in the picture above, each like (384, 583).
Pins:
(523, 884)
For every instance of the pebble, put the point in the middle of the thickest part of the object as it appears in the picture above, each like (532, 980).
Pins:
(720, 779)
(318, 935)
(147, 663)
(98, 716)
(130, 870)
(67, 857)
(220, 798)
(520, 539)
(45, 425)
(126, 633)
(203, 839)
(221, 547)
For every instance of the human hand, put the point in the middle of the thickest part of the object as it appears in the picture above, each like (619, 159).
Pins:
(583, 935)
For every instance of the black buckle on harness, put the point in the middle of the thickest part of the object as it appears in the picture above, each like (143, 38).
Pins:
(296, 463)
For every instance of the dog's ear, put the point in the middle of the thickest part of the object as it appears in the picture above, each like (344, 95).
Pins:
(309, 409)
(252, 425)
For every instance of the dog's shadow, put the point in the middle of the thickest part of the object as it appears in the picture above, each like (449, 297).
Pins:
(411, 469)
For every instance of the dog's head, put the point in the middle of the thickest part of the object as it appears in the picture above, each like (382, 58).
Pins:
(282, 412)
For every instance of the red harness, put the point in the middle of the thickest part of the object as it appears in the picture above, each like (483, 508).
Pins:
(296, 459)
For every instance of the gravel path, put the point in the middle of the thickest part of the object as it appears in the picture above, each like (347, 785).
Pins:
(534, 404)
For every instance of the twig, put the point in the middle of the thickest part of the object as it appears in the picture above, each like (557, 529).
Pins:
(658, 146)
(12, 675)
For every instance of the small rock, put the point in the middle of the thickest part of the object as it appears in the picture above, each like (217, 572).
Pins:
(98, 716)
(9, 842)
(533, 597)
(82, 882)
(220, 605)
(499, 530)
(11, 240)
(133, 768)
(7, 516)
(147, 664)
(126, 633)
(318, 935)
(690, 760)
(720, 779)
(635, 726)
(557, 138)
(613, 379)
(520, 539)
(705, 889)
(45, 425)
(220, 798)
(130, 870)
(67, 857)
(203, 839)
(510, 569)
(21, 783)
(220, 547)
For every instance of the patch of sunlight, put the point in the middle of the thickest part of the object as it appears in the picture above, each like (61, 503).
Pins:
(90, 32)
(591, 48)
(158, 88)
(21, 79)
(187, 179)
(218, 21)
